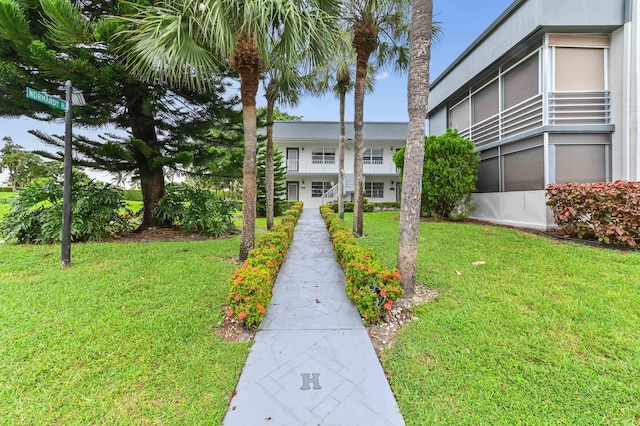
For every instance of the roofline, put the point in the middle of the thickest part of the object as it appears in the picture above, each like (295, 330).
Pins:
(338, 122)
(516, 4)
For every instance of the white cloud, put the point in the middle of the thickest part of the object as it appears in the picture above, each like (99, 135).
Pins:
(382, 75)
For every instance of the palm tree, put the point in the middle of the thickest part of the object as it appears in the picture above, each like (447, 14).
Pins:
(418, 93)
(380, 28)
(185, 41)
(337, 76)
(283, 85)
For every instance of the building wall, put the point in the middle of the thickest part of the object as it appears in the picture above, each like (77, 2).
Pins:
(381, 141)
(567, 150)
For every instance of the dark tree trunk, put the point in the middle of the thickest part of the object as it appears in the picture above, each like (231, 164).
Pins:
(151, 177)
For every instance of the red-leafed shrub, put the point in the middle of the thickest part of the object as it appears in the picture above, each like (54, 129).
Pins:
(250, 286)
(372, 287)
(606, 211)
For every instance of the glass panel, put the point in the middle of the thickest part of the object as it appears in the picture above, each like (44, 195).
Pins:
(319, 188)
(579, 69)
(489, 175)
(521, 83)
(459, 116)
(581, 163)
(323, 156)
(524, 170)
(372, 156)
(374, 189)
(485, 102)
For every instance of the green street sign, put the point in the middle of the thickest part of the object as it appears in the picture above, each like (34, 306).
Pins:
(46, 99)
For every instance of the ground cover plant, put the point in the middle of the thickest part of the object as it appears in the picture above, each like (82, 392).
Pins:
(542, 332)
(125, 336)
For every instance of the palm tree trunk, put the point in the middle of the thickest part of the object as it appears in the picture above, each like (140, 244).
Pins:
(418, 95)
(249, 81)
(358, 143)
(268, 168)
(341, 158)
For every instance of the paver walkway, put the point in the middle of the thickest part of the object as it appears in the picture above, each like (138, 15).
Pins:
(312, 362)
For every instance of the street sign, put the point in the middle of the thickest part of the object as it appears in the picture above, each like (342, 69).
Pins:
(46, 99)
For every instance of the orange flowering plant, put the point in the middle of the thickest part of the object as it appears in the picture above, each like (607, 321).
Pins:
(372, 287)
(251, 285)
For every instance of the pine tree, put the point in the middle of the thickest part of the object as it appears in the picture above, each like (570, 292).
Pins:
(278, 181)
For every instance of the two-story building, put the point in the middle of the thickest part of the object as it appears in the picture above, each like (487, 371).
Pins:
(310, 149)
(548, 93)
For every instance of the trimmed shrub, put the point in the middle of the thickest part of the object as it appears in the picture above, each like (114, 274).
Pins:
(36, 212)
(348, 206)
(606, 211)
(372, 287)
(449, 175)
(6, 189)
(251, 286)
(197, 210)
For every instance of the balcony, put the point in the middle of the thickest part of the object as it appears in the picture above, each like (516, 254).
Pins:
(563, 108)
(295, 167)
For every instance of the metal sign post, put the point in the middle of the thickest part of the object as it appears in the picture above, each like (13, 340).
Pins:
(65, 258)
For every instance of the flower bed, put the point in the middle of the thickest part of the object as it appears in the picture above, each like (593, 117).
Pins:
(372, 287)
(251, 286)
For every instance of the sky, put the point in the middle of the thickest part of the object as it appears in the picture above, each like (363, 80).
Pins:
(462, 22)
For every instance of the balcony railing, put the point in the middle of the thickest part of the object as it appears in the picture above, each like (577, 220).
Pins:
(580, 107)
(312, 167)
(592, 107)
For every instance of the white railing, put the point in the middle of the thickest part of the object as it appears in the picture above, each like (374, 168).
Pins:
(587, 107)
(305, 166)
(516, 119)
(330, 195)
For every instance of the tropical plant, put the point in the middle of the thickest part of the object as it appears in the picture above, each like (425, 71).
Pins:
(279, 189)
(418, 94)
(337, 76)
(36, 212)
(197, 210)
(185, 42)
(44, 43)
(379, 28)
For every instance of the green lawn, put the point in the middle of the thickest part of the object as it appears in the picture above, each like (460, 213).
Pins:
(4, 202)
(125, 336)
(543, 333)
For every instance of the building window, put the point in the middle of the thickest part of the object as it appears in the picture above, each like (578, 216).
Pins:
(459, 116)
(489, 171)
(524, 170)
(485, 102)
(372, 156)
(521, 82)
(579, 69)
(374, 189)
(323, 156)
(581, 163)
(319, 188)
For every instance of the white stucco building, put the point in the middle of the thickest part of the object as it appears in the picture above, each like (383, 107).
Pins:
(548, 93)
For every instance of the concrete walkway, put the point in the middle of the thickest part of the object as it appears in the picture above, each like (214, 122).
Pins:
(312, 362)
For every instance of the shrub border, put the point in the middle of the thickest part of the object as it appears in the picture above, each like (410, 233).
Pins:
(251, 285)
(372, 287)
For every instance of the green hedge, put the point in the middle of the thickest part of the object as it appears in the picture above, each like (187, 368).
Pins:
(251, 285)
(6, 189)
(372, 287)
